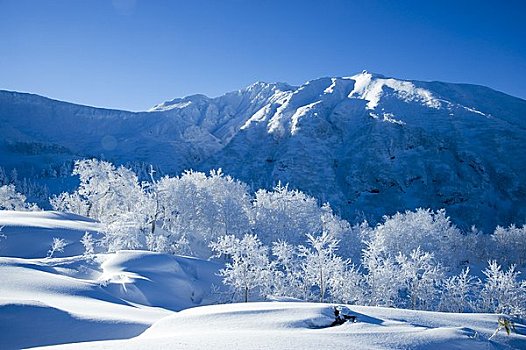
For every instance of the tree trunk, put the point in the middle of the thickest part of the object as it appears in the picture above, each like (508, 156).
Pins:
(322, 287)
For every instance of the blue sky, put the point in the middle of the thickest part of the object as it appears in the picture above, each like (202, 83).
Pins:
(133, 54)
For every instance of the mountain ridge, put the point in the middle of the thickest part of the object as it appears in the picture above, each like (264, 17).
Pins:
(365, 143)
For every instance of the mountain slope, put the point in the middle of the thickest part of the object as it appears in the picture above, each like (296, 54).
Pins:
(377, 145)
(366, 143)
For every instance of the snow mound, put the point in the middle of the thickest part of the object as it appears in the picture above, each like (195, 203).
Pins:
(29, 323)
(61, 301)
(72, 298)
(276, 325)
(168, 281)
(107, 296)
(30, 234)
(255, 316)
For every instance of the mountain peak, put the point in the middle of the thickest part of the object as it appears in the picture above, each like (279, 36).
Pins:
(261, 86)
(372, 87)
(179, 103)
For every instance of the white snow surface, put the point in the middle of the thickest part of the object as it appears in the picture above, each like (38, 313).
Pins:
(76, 298)
(371, 88)
(283, 325)
(30, 234)
(146, 300)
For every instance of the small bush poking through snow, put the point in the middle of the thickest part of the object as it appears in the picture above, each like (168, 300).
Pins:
(58, 245)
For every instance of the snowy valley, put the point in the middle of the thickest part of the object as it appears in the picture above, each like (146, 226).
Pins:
(400, 203)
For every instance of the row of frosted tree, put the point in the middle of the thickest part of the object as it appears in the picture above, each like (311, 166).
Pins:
(184, 214)
(316, 272)
(282, 243)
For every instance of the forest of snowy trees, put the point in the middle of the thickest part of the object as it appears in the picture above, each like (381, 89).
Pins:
(283, 244)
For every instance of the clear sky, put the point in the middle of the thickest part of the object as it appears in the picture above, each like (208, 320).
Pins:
(133, 54)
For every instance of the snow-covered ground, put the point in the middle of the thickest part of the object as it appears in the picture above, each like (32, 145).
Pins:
(30, 234)
(77, 298)
(285, 325)
(154, 301)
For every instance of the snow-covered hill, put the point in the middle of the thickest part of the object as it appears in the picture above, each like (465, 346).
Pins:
(366, 143)
(73, 298)
(157, 301)
(280, 325)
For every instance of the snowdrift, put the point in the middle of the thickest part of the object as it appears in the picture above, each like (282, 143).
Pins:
(52, 301)
(46, 301)
(171, 282)
(278, 325)
(30, 234)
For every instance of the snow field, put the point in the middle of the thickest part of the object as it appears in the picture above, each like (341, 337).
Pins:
(146, 300)
(282, 325)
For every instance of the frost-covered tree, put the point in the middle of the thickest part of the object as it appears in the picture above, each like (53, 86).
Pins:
(157, 243)
(383, 277)
(349, 238)
(356, 240)
(431, 231)
(502, 291)
(4, 180)
(321, 263)
(459, 292)
(347, 286)
(510, 245)
(126, 231)
(114, 196)
(249, 268)
(14, 177)
(198, 208)
(10, 199)
(479, 246)
(89, 244)
(288, 278)
(284, 214)
(69, 203)
(57, 245)
(422, 277)
(104, 192)
(232, 203)
(173, 212)
(108, 190)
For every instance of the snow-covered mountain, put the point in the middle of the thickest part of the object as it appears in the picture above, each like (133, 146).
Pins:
(366, 143)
